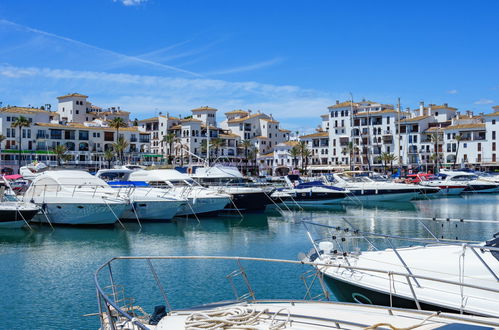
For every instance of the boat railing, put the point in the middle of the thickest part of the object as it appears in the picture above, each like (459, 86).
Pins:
(74, 189)
(115, 309)
(338, 235)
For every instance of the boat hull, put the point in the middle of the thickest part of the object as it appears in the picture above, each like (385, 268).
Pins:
(477, 188)
(81, 213)
(382, 196)
(347, 292)
(152, 210)
(15, 218)
(256, 201)
(203, 205)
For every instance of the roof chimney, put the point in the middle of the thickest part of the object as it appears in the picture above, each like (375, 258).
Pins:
(337, 101)
(421, 108)
(446, 105)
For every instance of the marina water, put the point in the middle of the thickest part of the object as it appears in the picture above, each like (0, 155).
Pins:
(47, 276)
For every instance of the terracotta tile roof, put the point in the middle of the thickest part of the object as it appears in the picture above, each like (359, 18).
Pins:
(237, 112)
(270, 154)
(270, 120)
(204, 109)
(343, 105)
(495, 107)
(176, 127)
(149, 119)
(465, 126)
(230, 136)
(318, 134)
(282, 130)
(434, 129)
(291, 143)
(493, 113)
(240, 120)
(413, 119)
(261, 137)
(72, 95)
(24, 110)
(190, 120)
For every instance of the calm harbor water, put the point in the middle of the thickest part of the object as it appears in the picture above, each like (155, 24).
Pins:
(47, 276)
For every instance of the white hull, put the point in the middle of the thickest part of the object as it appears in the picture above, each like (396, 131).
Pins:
(402, 197)
(153, 210)
(203, 205)
(450, 191)
(81, 213)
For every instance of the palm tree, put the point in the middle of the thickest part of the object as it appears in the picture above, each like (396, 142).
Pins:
(435, 138)
(109, 156)
(350, 149)
(117, 123)
(170, 139)
(391, 158)
(60, 152)
(304, 154)
(2, 138)
(295, 153)
(246, 144)
(217, 143)
(120, 147)
(252, 154)
(383, 158)
(20, 122)
(458, 139)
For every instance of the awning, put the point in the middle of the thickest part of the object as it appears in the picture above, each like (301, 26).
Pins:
(152, 155)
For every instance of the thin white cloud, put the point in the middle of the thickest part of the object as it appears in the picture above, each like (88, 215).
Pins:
(130, 2)
(452, 91)
(143, 94)
(483, 102)
(129, 58)
(245, 68)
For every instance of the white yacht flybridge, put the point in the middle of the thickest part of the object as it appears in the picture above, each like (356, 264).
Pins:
(146, 202)
(74, 198)
(364, 188)
(229, 180)
(200, 199)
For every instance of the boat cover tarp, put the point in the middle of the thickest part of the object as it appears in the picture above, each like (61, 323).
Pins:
(311, 184)
(128, 183)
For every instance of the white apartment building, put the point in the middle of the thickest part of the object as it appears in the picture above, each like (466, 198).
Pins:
(84, 140)
(279, 161)
(364, 130)
(261, 129)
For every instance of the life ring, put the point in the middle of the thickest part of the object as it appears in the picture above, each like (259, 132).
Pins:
(363, 301)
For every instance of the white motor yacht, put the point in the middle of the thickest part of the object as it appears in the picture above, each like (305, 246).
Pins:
(474, 183)
(74, 198)
(14, 213)
(146, 202)
(363, 188)
(229, 180)
(312, 193)
(433, 275)
(200, 199)
(247, 311)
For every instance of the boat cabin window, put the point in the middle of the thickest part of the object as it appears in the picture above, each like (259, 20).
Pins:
(464, 178)
(112, 176)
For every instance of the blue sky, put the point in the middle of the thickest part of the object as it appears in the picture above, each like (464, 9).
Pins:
(288, 58)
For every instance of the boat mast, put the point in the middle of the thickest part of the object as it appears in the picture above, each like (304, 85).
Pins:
(207, 142)
(398, 132)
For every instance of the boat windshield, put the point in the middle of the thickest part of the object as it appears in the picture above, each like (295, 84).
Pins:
(182, 183)
(464, 178)
(349, 178)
